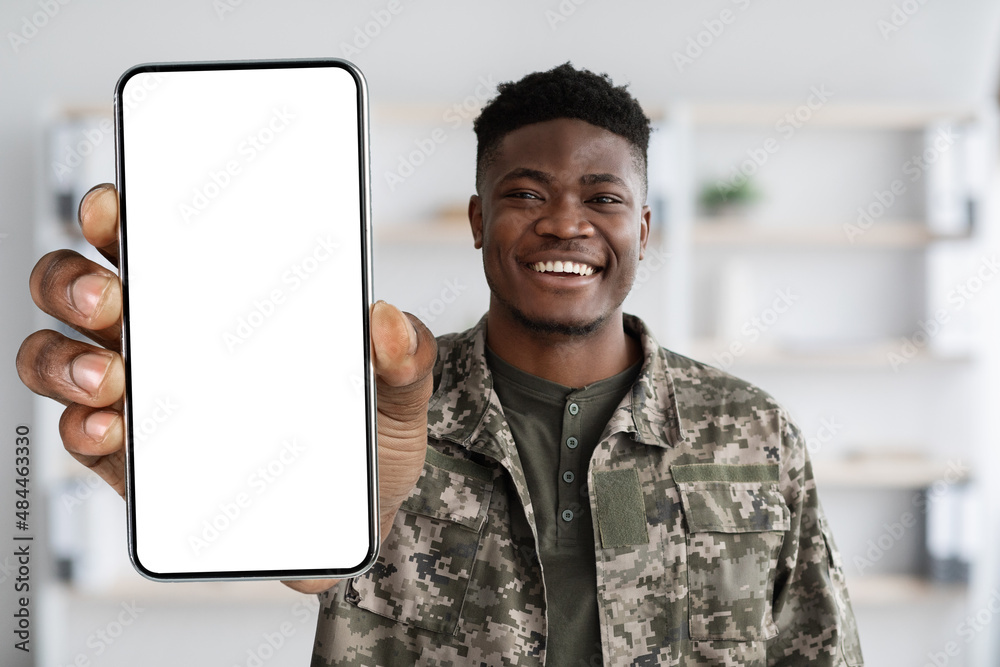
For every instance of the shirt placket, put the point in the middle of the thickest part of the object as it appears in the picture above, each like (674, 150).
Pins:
(570, 508)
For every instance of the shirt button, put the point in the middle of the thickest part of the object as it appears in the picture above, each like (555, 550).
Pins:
(573, 408)
(568, 476)
(572, 442)
(567, 515)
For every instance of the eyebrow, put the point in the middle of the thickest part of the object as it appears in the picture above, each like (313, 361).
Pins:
(524, 172)
(594, 179)
(542, 177)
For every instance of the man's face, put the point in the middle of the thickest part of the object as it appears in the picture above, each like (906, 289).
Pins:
(561, 192)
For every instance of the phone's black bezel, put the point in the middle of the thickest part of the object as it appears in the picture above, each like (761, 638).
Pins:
(365, 233)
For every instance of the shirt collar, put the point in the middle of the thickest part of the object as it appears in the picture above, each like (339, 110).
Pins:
(465, 407)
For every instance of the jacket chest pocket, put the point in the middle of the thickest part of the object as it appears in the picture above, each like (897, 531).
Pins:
(424, 566)
(736, 521)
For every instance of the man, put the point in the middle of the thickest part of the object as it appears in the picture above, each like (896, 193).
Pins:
(560, 490)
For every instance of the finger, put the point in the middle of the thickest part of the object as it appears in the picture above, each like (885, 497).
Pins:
(70, 371)
(310, 585)
(81, 293)
(98, 216)
(95, 438)
(403, 348)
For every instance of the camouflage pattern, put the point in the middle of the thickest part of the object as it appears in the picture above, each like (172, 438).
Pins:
(737, 568)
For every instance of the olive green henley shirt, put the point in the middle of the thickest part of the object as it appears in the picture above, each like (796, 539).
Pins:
(556, 429)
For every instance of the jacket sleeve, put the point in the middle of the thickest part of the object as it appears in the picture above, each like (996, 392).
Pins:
(811, 607)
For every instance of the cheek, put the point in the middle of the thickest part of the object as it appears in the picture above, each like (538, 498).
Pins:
(628, 265)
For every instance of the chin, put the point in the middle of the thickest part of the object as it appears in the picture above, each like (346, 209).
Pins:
(566, 326)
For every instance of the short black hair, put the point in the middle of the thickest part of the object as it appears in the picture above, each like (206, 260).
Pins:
(561, 92)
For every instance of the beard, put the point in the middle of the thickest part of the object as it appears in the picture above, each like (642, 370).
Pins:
(553, 327)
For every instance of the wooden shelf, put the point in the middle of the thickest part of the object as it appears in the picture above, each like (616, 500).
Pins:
(712, 233)
(722, 232)
(876, 590)
(445, 230)
(452, 230)
(852, 116)
(219, 592)
(868, 356)
(899, 470)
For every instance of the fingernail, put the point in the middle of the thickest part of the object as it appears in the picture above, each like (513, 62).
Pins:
(413, 335)
(88, 371)
(85, 200)
(98, 423)
(88, 291)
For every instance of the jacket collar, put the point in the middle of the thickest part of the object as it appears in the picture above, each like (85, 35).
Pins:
(465, 410)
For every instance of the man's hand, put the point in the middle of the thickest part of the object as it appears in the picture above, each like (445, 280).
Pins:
(90, 379)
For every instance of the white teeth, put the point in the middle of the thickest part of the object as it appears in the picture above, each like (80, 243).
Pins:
(559, 266)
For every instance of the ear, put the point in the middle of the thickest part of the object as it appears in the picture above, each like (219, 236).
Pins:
(476, 219)
(644, 230)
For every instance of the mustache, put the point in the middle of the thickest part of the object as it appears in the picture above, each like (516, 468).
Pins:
(567, 246)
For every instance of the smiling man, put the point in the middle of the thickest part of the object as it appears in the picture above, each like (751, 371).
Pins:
(589, 496)
(555, 488)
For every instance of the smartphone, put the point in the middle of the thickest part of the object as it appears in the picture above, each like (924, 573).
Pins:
(246, 278)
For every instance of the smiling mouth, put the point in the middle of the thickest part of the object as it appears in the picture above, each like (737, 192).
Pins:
(567, 268)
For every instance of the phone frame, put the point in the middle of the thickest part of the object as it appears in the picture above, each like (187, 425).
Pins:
(366, 277)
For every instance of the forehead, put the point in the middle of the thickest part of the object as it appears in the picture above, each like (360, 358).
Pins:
(565, 145)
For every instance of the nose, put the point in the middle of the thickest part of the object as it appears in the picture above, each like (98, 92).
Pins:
(564, 217)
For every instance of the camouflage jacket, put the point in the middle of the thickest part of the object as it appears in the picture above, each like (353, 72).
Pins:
(710, 543)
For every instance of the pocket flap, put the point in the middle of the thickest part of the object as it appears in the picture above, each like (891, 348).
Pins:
(731, 498)
(461, 491)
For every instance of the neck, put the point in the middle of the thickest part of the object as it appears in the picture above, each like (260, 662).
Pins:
(573, 361)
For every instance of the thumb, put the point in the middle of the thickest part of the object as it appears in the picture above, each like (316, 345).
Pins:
(403, 355)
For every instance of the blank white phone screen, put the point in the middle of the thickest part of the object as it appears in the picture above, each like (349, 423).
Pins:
(246, 302)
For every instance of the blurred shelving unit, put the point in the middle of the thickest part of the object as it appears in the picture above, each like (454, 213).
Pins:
(871, 228)
(888, 234)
